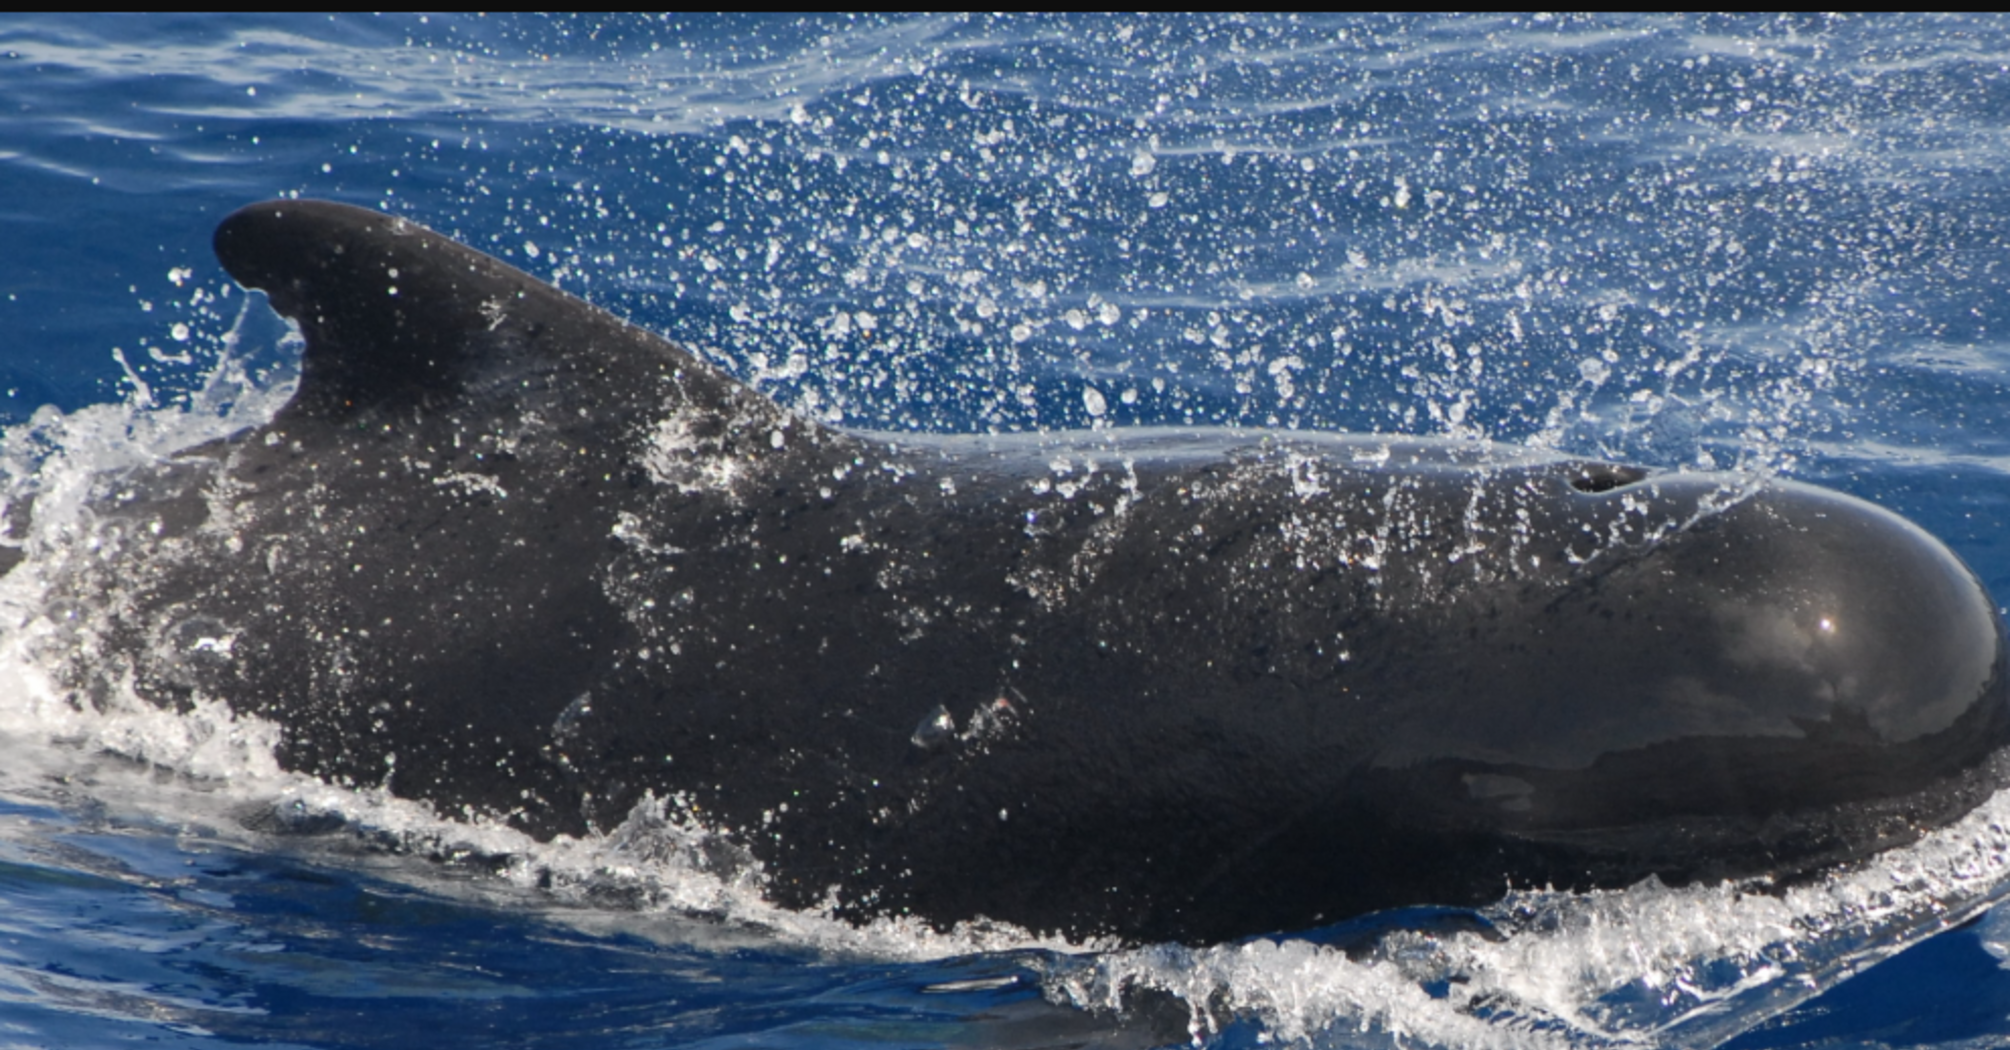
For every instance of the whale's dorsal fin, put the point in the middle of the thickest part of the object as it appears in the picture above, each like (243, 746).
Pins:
(394, 313)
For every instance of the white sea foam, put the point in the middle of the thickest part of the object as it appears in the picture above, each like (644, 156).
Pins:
(1650, 964)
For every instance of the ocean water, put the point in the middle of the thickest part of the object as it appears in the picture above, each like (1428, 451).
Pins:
(1774, 245)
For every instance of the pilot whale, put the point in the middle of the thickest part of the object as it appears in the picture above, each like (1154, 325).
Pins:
(510, 555)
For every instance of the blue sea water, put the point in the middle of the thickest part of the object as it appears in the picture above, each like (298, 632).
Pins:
(1765, 244)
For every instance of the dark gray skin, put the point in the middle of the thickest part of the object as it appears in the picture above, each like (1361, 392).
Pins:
(509, 554)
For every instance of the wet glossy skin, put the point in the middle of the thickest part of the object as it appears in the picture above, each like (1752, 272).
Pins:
(506, 553)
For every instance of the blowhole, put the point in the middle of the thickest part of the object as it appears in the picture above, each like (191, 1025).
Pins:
(1604, 477)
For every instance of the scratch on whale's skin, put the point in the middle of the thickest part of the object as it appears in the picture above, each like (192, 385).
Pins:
(505, 553)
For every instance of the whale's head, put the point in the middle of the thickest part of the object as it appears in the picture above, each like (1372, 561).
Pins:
(1463, 668)
(1741, 678)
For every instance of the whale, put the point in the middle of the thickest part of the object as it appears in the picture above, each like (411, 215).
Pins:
(507, 554)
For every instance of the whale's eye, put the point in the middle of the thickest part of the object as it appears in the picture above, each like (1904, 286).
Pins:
(1603, 477)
